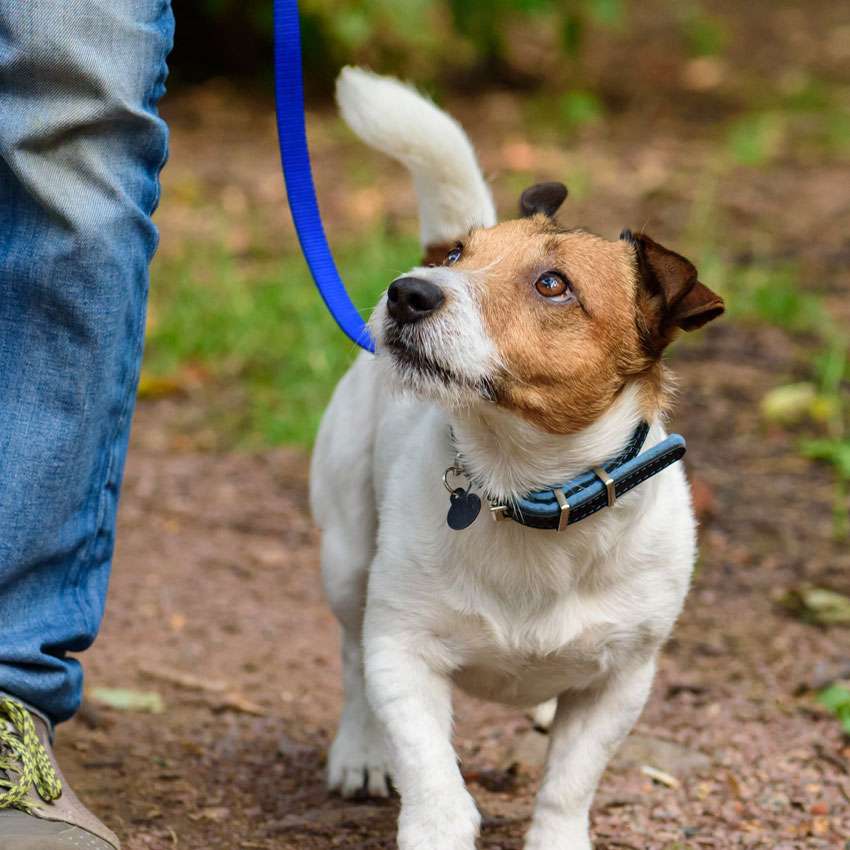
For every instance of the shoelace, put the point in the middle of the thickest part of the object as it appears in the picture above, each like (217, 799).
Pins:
(24, 762)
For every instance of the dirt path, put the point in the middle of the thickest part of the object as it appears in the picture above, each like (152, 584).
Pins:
(215, 602)
(216, 605)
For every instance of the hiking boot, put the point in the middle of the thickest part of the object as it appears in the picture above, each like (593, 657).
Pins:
(38, 810)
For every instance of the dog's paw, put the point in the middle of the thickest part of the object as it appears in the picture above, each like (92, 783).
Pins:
(439, 822)
(358, 764)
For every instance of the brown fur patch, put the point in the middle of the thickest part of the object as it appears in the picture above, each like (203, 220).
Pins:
(436, 253)
(564, 363)
(670, 297)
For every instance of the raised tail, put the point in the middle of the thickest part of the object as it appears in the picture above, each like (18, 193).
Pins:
(395, 119)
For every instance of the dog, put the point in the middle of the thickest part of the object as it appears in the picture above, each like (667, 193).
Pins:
(518, 356)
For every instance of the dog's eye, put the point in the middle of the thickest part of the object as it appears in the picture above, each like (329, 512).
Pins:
(454, 255)
(553, 285)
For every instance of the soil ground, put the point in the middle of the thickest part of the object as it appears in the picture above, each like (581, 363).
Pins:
(216, 602)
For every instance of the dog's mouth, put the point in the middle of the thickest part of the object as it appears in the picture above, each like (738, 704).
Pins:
(414, 359)
(410, 358)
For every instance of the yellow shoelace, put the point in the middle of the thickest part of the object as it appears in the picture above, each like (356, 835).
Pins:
(24, 762)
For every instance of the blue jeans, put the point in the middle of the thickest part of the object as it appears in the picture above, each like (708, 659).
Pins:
(81, 148)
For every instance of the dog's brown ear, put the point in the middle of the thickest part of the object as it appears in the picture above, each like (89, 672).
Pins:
(543, 198)
(670, 294)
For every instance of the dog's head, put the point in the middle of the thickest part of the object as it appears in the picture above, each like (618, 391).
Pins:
(548, 322)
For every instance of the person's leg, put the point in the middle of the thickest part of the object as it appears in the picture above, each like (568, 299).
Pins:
(81, 148)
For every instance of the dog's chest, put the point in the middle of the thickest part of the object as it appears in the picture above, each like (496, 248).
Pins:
(528, 617)
(533, 665)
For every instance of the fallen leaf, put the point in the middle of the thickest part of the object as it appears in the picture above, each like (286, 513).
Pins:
(794, 403)
(817, 605)
(222, 699)
(657, 775)
(789, 403)
(125, 699)
(155, 386)
(235, 701)
(185, 680)
(837, 699)
(667, 756)
(216, 814)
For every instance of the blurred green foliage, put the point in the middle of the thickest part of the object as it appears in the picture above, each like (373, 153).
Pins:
(264, 330)
(275, 345)
(433, 41)
(775, 295)
(706, 35)
(836, 698)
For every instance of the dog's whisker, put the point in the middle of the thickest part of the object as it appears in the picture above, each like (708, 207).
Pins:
(483, 269)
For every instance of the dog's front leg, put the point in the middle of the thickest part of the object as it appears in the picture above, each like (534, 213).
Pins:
(587, 729)
(413, 701)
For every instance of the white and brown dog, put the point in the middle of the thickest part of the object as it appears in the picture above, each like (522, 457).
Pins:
(526, 355)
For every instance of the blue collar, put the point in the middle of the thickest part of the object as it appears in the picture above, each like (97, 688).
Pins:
(574, 500)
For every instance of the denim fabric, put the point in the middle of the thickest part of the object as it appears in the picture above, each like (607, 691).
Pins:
(81, 148)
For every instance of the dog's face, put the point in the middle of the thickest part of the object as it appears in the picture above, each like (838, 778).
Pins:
(546, 322)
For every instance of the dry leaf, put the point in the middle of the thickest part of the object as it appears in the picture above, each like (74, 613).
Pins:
(817, 605)
(125, 699)
(657, 775)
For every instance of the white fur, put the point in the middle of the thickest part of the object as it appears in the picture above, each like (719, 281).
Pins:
(395, 119)
(454, 339)
(508, 613)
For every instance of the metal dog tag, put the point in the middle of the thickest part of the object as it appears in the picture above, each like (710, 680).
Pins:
(464, 509)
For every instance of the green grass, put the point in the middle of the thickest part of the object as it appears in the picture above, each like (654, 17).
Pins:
(264, 330)
(561, 116)
(705, 35)
(837, 699)
(773, 295)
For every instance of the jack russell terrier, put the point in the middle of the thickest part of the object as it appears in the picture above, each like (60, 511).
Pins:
(518, 376)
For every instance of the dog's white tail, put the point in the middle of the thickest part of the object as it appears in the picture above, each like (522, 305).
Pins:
(395, 119)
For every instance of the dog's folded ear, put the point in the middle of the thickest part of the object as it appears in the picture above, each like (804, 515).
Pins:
(545, 198)
(670, 296)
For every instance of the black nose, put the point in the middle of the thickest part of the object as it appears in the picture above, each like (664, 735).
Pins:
(410, 299)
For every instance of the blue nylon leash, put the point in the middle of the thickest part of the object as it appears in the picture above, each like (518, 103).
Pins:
(300, 190)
